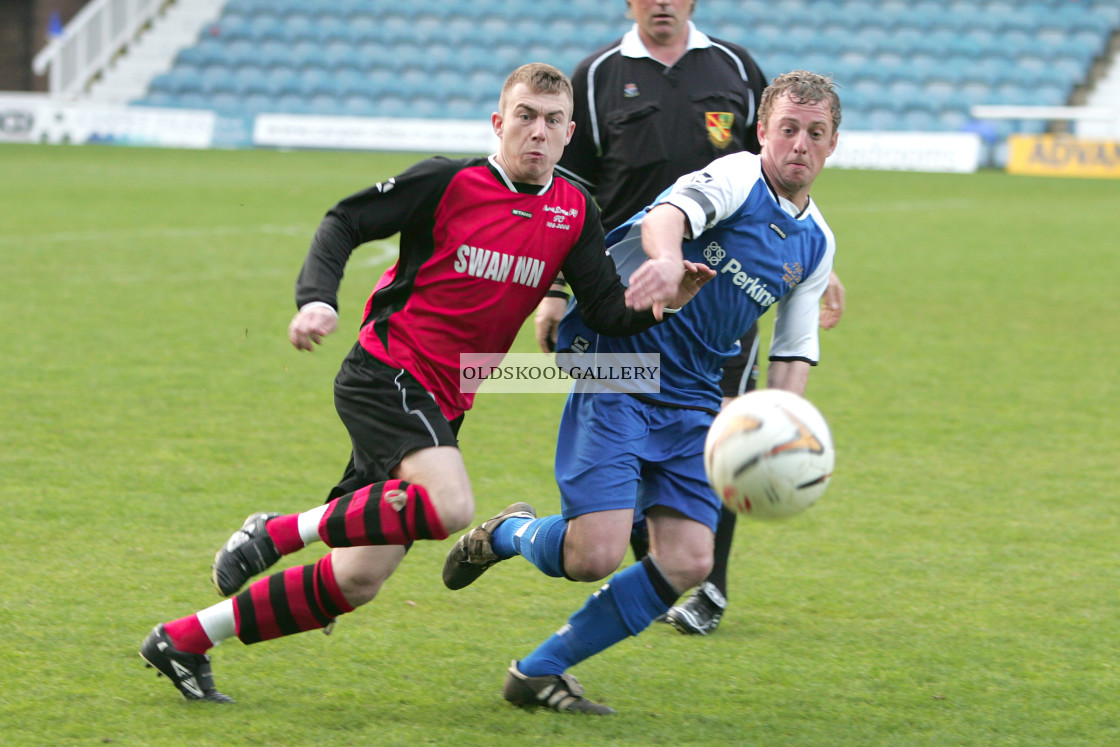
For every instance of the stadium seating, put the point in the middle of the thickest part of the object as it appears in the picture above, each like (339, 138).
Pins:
(901, 64)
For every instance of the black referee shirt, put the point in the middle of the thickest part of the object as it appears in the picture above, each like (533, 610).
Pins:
(646, 124)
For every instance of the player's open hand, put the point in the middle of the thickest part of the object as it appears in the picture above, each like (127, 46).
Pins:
(695, 276)
(832, 302)
(654, 285)
(311, 325)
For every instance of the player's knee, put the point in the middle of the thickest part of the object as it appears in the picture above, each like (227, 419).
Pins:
(695, 573)
(456, 511)
(591, 564)
(360, 585)
(685, 570)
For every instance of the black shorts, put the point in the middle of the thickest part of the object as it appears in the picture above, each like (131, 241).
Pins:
(388, 415)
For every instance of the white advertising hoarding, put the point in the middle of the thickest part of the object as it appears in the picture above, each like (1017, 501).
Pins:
(369, 133)
(957, 152)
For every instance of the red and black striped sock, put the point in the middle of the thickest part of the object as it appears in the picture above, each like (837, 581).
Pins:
(393, 512)
(292, 601)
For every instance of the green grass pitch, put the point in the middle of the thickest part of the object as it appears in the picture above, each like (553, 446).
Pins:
(957, 584)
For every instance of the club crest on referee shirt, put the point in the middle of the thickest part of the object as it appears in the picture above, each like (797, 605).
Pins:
(719, 127)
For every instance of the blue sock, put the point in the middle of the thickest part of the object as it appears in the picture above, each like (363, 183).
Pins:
(624, 607)
(502, 540)
(540, 541)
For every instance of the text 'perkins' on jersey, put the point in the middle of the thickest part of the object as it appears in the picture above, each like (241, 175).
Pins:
(493, 265)
(714, 254)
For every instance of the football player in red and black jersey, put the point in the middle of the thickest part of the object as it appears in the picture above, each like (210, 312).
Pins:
(480, 241)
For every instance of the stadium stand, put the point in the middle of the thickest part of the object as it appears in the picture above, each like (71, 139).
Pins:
(901, 65)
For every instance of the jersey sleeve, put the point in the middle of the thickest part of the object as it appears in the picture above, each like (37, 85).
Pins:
(596, 285)
(374, 213)
(713, 193)
(797, 316)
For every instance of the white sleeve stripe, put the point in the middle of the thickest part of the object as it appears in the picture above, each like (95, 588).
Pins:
(592, 113)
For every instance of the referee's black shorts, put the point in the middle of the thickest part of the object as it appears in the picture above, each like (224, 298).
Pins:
(388, 415)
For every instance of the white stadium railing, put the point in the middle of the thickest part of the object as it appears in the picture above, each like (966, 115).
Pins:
(1097, 120)
(90, 42)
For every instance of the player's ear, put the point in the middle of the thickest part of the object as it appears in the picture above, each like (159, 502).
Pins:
(571, 131)
(496, 123)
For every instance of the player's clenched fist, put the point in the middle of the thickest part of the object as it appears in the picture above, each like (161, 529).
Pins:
(311, 324)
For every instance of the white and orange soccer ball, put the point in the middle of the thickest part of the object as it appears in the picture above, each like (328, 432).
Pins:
(769, 454)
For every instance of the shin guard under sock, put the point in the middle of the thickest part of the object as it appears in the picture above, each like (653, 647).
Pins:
(284, 532)
(393, 512)
(624, 607)
(292, 601)
(541, 542)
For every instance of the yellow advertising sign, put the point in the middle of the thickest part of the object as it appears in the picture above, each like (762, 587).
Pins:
(1063, 155)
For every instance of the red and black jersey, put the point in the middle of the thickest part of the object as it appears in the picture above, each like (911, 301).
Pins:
(477, 254)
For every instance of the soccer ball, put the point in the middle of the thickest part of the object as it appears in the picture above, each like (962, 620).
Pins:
(769, 454)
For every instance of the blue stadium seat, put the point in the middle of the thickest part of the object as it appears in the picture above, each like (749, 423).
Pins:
(882, 119)
(305, 54)
(391, 105)
(226, 102)
(164, 84)
(408, 57)
(954, 119)
(299, 27)
(853, 120)
(315, 81)
(920, 120)
(282, 80)
(357, 106)
(266, 27)
(461, 107)
(363, 27)
(291, 104)
(155, 98)
(351, 83)
(231, 27)
(208, 51)
(258, 103)
(218, 79)
(192, 100)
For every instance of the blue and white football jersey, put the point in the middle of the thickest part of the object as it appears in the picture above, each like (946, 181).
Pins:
(765, 253)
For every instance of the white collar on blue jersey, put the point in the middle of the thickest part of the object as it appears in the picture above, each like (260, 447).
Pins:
(632, 45)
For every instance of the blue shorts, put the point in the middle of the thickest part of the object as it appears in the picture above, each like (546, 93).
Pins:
(615, 451)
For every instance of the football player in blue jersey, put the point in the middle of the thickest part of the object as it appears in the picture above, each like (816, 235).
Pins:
(626, 455)
(660, 102)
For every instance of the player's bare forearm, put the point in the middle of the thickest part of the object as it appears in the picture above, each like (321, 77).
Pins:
(656, 283)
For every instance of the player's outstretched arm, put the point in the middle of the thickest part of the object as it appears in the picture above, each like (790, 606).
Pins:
(656, 283)
(311, 324)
